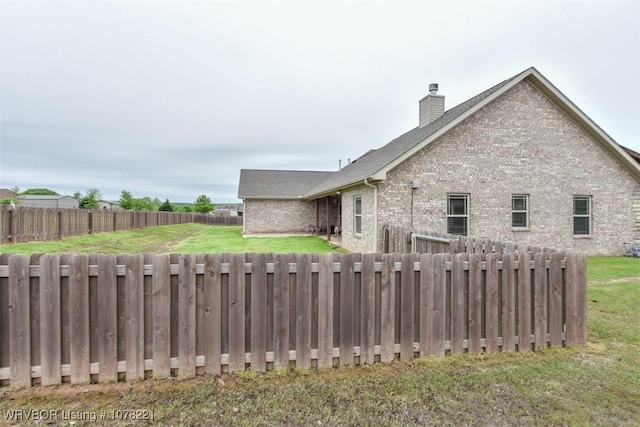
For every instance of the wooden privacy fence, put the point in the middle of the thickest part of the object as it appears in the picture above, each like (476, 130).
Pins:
(403, 240)
(102, 318)
(25, 224)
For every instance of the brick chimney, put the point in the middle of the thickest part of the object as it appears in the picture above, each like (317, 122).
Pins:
(431, 106)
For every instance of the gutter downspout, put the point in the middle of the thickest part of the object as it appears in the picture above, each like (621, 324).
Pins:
(375, 213)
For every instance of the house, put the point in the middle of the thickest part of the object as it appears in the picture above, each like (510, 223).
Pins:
(49, 201)
(108, 204)
(518, 162)
(228, 209)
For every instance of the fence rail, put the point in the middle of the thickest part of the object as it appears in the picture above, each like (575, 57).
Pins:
(81, 318)
(403, 240)
(26, 224)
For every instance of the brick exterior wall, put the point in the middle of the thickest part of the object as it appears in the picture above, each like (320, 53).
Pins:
(263, 216)
(519, 144)
(278, 216)
(365, 241)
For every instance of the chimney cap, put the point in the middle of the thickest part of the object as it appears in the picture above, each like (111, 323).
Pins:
(433, 88)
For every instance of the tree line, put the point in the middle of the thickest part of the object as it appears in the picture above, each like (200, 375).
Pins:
(90, 199)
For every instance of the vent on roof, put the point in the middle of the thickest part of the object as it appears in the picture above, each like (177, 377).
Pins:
(431, 106)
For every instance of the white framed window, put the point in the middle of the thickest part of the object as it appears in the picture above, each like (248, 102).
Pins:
(458, 214)
(520, 211)
(582, 215)
(357, 215)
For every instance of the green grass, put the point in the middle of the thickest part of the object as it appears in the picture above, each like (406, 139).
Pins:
(598, 384)
(612, 268)
(183, 238)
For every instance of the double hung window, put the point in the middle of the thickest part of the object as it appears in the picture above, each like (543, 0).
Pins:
(581, 215)
(458, 214)
(357, 215)
(520, 211)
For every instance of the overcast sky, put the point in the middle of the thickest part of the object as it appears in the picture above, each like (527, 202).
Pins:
(170, 99)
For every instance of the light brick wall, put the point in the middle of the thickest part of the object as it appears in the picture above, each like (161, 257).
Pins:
(364, 242)
(519, 144)
(278, 216)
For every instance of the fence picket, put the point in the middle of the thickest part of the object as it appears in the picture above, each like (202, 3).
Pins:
(508, 302)
(236, 313)
(367, 310)
(555, 299)
(406, 307)
(475, 302)
(347, 301)
(79, 319)
(387, 308)
(187, 315)
(107, 318)
(161, 316)
(575, 300)
(258, 313)
(426, 304)
(325, 311)
(134, 309)
(19, 321)
(540, 301)
(458, 320)
(524, 302)
(303, 305)
(492, 303)
(50, 314)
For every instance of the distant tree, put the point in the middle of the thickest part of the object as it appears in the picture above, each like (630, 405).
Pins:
(166, 206)
(126, 201)
(90, 199)
(186, 208)
(203, 204)
(39, 192)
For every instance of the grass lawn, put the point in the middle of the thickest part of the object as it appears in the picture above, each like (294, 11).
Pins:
(598, 384)
(182, 238)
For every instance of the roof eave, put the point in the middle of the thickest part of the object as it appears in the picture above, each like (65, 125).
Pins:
(581, 119)
(336, 190)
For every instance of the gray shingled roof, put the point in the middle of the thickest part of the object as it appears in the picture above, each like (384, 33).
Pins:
(278, 184)
(376, 160)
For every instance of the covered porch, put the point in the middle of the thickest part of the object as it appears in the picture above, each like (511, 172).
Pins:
(328, 223)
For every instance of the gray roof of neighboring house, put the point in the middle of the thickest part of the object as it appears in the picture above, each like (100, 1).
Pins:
(44, 197)
(278, 184)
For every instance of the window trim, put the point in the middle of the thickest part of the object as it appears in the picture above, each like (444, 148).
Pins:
(525, 211)
(588, 215)
(357, 225)
(465, 197)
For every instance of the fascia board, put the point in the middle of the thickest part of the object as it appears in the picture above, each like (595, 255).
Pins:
(583, 121)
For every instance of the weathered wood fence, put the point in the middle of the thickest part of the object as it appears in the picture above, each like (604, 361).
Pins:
(25, 224)
(403, 240)
(102, 318)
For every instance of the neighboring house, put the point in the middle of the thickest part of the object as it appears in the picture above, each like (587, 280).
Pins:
(228, 209)
(518, 162)
(108, 205)
(49, 201)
